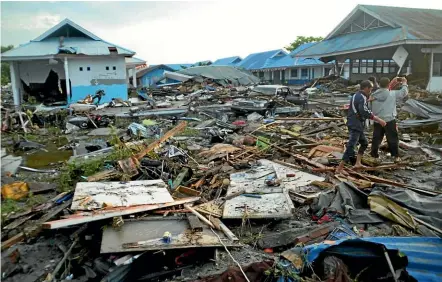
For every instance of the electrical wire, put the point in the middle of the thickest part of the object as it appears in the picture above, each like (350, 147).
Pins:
(237, 263)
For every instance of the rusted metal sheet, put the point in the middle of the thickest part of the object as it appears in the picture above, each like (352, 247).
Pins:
(146, 234)
(96, 195)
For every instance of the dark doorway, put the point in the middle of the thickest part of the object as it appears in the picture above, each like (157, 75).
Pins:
(276, 77)
(50, 92)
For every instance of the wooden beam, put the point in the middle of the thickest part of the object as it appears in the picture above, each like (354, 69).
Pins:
(200, 216)
(35, 229)
(221, 226)
(111, 212)
(303, 118)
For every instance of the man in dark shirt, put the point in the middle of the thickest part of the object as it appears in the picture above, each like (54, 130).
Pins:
(358, 113)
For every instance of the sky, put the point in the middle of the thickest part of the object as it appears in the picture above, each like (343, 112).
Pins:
(167, 32)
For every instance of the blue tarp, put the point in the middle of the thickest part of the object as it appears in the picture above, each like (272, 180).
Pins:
(424, 253)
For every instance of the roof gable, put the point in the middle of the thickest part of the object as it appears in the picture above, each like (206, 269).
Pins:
(67, 28)
(420, 23)
(145, 71)
(257, 60)
(227, 61)
(358, 20)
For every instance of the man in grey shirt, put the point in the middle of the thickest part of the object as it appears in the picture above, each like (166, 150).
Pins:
(384, 106)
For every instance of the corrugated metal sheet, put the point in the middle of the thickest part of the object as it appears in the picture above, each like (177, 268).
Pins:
(257, 60)
(143, 72)
(420, 23)
(302, 48)
(50, 47)
(235, 75)
(424, 254)
(177, 67)
(354, 41)
(230, 61)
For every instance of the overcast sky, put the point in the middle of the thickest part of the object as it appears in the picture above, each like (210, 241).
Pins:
(187, 32)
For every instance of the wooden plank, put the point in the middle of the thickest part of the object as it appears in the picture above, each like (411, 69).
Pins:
(221, 226)
(296, 156)
(200, 216)
(111, 212)
(195, 223)
(35, 229)
(96, 195)
(164, 138)
(304, 118)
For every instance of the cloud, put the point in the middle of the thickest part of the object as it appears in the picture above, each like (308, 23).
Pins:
(41, 21)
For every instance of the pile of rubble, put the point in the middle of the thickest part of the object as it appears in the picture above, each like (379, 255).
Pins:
(194, 192)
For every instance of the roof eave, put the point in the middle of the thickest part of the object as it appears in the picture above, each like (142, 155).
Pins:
(409, 41)
(25, 58)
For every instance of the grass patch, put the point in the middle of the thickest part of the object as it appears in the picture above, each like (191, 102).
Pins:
(72, 173)
(188, 131)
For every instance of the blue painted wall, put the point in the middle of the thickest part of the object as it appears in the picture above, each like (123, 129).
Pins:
(112, 91)
(297, 81)
(150, 78)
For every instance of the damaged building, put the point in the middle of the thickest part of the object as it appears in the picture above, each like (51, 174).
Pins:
(386, 41)
(281, 67)
(65, 64)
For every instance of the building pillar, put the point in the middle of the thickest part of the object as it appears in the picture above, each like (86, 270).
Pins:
(134, 78)
(66, 73)
(430, 75)
(127, 76)
(13, 68)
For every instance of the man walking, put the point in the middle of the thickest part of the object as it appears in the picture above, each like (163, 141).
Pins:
(358, 113)
(384, 106)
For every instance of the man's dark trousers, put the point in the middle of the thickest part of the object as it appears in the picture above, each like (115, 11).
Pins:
(355, 137)
(390, 131)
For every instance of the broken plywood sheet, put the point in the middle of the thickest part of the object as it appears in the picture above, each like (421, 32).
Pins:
(274, 205)
(96, 195)
(267, 201)
(146, 234)
(292, 183)
(253, 181)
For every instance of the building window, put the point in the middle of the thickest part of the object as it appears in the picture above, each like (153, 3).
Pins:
(393, 66)
(88, 68)
(370, 64)
(261, 74)
(386, 67)
(378, 66)
(304, 72)
(107, 68)
(81, 68)
(294, 73)
(363, 66)
(114, 68)
(355, 66)
(437, 64)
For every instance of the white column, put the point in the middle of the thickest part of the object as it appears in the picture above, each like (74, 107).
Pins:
(66, 73)
(14, 82)
(431, 71)
(134, 77)
(127, 76)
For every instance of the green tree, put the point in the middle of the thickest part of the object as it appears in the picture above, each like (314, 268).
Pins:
(301, 40)
(6, 75)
